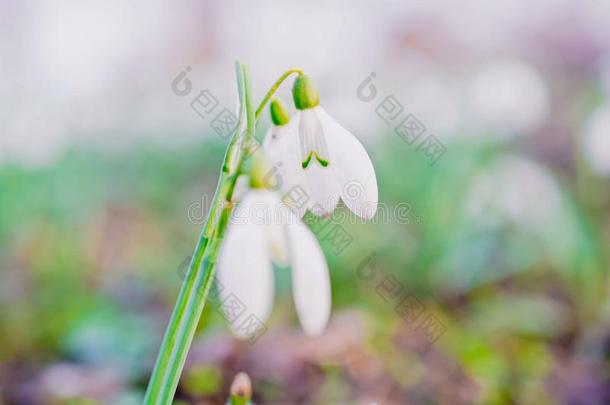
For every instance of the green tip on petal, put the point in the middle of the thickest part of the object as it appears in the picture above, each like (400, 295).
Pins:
(312, 154)
(279, 114)
(304, 93)
(305, 162)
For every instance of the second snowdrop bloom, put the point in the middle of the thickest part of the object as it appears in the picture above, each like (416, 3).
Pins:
(264, 231)
(323, 158)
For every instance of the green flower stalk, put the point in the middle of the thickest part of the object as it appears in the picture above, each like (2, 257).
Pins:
(200, 274)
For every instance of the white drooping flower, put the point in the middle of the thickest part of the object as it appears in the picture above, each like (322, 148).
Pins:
(510, 97)
(263, 231)
(516, 189)
(596, 140)
(315, 153)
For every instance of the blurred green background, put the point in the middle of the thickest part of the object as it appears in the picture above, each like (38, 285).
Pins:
(105, 175)
(92, 250)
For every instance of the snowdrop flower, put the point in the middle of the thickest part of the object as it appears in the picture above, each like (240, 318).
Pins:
(509, 96)
(264, 231)
(517, 189)
(596, 140)
(317, 154)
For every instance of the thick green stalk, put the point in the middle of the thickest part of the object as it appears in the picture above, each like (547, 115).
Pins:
(200, 275)
(250, 114)
(231, 155)
(192, 297)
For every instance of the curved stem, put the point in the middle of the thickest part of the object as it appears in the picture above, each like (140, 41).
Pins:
(273, 89)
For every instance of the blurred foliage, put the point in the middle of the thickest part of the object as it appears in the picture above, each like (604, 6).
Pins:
(91, 251)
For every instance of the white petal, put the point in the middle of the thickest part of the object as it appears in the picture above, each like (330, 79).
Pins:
(269, 211)
(281, 146)
(315, 187)
(242, 187)
(319, 180)
(323, 190)
(245, 272)
(354, 170)
(311, 139)
(281, 149)
(310, 280)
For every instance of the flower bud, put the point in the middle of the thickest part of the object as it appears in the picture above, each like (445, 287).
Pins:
(241, 390)
(279, 115)
(304, 93)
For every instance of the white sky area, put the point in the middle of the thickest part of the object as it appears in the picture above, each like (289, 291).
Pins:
(99, 73)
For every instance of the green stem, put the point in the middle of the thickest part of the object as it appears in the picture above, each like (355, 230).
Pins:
(193, 293)
(200, 275)
(250, 114)
(230, 156)
(273, 89)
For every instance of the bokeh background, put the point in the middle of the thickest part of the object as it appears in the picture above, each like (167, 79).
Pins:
(105, 173)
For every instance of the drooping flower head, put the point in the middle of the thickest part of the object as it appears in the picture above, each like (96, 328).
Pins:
(313, 153)
(321, 157)
(263, 232)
